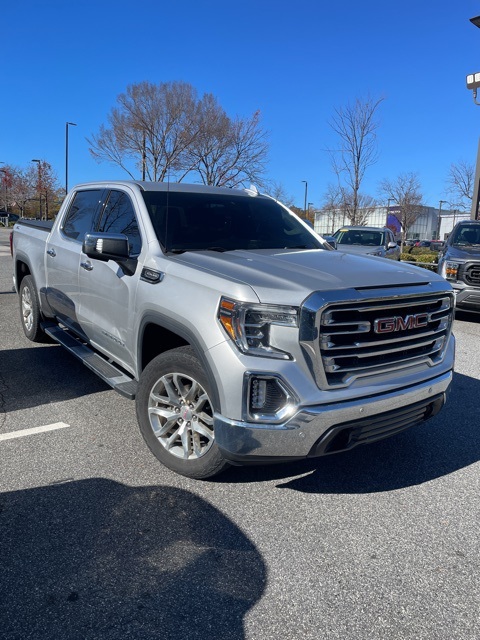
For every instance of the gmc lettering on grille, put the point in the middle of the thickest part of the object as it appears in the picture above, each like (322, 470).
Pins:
(397, 323)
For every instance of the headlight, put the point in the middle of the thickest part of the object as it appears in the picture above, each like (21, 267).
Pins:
(379, 252)
(249, 325)
(450, 270)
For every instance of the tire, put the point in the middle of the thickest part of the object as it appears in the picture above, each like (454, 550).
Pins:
(30, 314)
(175, 414)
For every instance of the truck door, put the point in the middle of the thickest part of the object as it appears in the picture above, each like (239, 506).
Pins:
(64, 249)
(107, 293)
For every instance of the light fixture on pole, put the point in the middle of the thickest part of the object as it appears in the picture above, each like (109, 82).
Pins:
(67, 124)
(305, 200)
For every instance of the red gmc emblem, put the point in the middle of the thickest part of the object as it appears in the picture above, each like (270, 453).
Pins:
(397, 323)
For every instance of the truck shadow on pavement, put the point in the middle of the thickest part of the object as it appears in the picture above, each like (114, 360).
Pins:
(97, 559)
(444, 444)
(34, 376)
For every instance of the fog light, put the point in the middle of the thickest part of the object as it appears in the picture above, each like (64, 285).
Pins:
(268, 399)
(259, 393)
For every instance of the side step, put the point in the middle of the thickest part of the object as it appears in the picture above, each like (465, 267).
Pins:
(108, 372)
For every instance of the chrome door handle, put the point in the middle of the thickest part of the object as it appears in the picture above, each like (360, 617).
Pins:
(51, 252)
(88, 266)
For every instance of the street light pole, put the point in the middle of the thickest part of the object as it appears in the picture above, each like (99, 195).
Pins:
(39, 185)
(310, 204)
(305, 201)
(439, 217)
(5, 176)
(66, 153)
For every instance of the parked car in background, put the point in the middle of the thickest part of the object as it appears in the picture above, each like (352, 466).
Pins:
(372, 241)
(423, 243)
(437, 245)
(8, 218)
(459, 263)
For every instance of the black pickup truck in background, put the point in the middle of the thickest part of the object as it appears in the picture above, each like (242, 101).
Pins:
(459, 263)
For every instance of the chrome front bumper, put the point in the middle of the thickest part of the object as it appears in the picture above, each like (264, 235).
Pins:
(309, 431)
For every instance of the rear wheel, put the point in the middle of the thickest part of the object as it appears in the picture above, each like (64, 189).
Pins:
(175, 414)
(30, 314)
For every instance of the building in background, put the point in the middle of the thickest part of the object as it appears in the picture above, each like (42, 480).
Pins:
(430, 224)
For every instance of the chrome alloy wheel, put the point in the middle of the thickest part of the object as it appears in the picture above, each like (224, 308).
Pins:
(181, 416)
(27, 308)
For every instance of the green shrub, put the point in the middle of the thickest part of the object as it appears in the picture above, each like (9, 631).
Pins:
(431, 258)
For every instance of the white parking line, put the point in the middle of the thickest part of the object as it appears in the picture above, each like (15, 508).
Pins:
(29, 432)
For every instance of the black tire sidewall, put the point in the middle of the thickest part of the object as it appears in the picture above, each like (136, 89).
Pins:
(180, 360)
(35, 332)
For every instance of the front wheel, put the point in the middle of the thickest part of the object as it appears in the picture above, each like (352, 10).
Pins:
(175, 414)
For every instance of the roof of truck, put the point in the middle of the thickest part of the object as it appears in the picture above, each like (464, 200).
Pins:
(170, 186)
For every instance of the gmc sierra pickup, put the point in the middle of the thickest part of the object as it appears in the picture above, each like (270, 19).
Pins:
(241, 334)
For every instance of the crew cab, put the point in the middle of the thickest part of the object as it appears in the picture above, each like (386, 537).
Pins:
(241, 334)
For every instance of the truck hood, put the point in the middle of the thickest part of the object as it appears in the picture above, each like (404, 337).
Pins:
(359, 249)
(289, 276)
(464, 252)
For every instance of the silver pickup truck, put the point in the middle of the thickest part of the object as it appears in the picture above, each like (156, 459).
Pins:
(241, 334)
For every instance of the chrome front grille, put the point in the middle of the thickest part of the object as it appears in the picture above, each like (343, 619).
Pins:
(362, 337)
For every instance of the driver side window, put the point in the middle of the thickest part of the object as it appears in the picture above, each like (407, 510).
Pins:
(119, 217)
(81, 214)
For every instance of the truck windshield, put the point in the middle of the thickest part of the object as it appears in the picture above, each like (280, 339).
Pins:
(467, 236)
(359, 236)
(200, 221)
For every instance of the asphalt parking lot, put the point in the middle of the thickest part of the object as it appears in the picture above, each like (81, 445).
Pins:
(99, 541)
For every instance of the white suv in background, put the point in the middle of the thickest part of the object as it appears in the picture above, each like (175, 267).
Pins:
(372, 241)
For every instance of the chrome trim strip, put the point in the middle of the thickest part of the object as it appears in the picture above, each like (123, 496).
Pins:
(297, 436)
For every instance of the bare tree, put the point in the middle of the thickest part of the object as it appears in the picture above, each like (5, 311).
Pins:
(338, 206)
(355, 126)
(46, 186)
(226, 152)
(406, 192)
(335, 206)
(31, 190)
(277, 190)
(21, 188)
(153, 125)
(460, 183)
(165, 128)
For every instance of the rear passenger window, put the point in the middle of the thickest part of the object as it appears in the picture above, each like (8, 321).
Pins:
(81, 214)
(119, 217)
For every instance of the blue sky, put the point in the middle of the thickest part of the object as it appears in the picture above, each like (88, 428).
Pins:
(294, 61)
